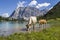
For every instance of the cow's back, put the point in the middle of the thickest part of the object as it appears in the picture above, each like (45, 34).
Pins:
(42, 21)
(32, 19)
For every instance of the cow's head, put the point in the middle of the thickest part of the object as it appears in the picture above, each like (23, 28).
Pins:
(28, 26)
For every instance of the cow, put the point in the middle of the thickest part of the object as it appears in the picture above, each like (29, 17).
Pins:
(33, 20)
(42, 22)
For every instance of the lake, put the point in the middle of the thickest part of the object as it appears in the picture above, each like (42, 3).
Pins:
(7, 28)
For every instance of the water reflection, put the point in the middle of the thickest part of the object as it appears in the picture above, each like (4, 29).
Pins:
(7, 28)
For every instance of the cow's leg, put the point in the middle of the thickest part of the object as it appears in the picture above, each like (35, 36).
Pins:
(27, 28)
(33, 27)
(44, 25)
(40, 27)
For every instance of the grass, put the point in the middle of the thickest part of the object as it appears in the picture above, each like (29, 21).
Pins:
(52, 33)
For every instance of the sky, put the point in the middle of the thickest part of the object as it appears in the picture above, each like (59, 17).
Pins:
(8, 6)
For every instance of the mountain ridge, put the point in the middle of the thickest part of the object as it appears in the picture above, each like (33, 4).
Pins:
(26, 12)
(54, 12)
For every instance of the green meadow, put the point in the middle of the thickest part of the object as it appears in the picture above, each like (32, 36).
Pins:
(51, 33)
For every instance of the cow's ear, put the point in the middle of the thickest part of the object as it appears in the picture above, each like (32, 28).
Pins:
(29, 24)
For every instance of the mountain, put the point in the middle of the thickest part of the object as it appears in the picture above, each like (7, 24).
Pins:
(54, 12)
(26, 12)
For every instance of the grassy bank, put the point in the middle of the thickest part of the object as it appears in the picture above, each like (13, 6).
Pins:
(52, 33)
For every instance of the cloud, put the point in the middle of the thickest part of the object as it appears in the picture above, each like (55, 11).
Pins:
(5, 15)
(32, 3)
(20, 4)
(42, 5)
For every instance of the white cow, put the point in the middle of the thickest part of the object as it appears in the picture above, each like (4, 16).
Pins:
(32, 21)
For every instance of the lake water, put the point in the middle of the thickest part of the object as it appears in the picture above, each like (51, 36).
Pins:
(7, 28)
